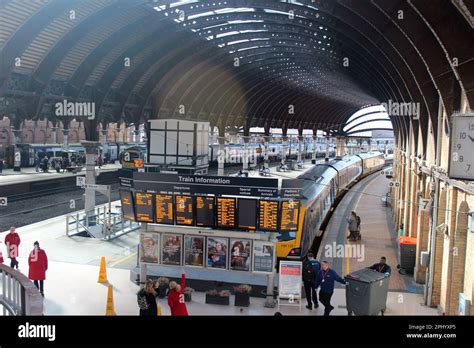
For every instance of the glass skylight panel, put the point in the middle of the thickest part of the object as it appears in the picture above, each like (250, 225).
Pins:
(237, 42)
(184, 2)
(227, 34)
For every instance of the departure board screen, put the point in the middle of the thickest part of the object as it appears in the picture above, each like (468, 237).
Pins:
(127, 205)
(204, 211)
(289, 215)
(164, 209)
(144, 206)
(268, 215)
(247, 214)
(184, 210)
(225, 212)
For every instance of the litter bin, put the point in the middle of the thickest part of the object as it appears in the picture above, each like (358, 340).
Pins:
(407, 253)
(366, 292)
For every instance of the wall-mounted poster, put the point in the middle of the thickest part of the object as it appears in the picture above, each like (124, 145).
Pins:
(149, 247)
(194, 251)
(217, 252)
(240, 251)
(171, 250)
(263, 257)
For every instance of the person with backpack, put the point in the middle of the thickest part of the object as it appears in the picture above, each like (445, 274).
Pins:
(176, 297)
(146, 299)
(326, 278)
(311, 267)
(353, 226)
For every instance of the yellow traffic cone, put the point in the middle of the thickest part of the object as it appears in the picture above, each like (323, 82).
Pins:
(102, 272)
(110, 302)
(158, 311)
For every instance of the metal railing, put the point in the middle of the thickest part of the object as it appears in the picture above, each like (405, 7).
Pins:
(18, 294)
(113, 225)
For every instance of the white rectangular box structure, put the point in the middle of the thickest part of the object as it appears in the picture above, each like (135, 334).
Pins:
(179, 144)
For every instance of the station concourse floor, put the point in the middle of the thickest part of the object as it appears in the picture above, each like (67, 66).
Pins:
(29, 174)
(71, 287)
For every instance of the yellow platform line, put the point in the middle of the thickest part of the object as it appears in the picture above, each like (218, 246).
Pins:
(119, 261)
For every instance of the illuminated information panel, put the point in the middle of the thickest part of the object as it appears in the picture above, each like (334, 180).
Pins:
(144, 206)
(268, 215)
(247, 214)
(164, 209)
(204, 211)
(289, 215)
(127, 205)
(225, 212)
(184, 210)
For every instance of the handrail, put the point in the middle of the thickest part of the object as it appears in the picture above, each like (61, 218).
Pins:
(18, 294)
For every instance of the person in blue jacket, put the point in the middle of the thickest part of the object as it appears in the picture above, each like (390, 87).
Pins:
(325, 279)
(311, 267)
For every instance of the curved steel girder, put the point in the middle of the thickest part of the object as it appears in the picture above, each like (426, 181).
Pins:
(371, 129)
(19, 41)
(79, 78)
(364, 122)
(361, 116)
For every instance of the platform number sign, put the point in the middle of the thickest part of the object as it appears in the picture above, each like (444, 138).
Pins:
(461, 159)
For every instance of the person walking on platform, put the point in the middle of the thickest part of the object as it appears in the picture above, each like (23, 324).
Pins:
(37, 163)
(1, 166)
(12, 242)
(353, 226)
(176, 297)
(382, 266)
(146, 299)
(325, 279)
(38, 262)
(45, 164)
(311, 267)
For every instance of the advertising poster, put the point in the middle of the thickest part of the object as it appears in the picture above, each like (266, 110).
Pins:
(194, 251)
(149, 247)
(240, 251)
(263, 257)
(290, 279)
(171, 252)
(217, 252)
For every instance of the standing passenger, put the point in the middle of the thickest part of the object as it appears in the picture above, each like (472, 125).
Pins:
(38, 262)
(146, 299)
(176, 297)
(1, 166)
(12, 242)
(311, 267)
(326, 278)
(353, 228)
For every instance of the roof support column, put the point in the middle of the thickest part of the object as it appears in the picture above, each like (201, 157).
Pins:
(340, 147)
(91, 154)
(315, 146)
(245, 153)
(221, 152)
(284, 146)
(300, 154)
(326, 157)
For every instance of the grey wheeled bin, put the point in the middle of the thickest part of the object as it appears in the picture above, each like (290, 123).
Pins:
(366, 292)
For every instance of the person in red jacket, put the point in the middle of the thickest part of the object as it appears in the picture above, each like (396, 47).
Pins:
(176, 297)
(1, 255)
(38, 262)
(12, 241)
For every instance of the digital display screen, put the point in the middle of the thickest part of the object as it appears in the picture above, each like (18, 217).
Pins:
(144, 206)
(204, 211)
(127, 205)
(289, 215)
(247, 214)
(225, 212)
(184, 210)
(268, 215)
(164, 209)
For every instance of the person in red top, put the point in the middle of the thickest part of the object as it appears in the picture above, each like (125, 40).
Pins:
(12, 241)
(176, 297)
(38, 262)
(1, 255)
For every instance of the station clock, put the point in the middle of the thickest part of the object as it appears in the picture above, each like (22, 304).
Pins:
(461, 159)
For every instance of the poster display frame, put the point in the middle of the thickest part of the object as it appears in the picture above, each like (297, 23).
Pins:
(165, 235)
(204, 252)
(141, 251)
(249, 257)
(226, 268)
(263, 243)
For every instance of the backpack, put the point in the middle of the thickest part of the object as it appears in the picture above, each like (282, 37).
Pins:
(358, 221)
(308, 272)
(141, 300)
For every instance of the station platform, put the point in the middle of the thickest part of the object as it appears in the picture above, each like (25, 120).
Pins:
(29, 174)
(71, 287)
(379, 237)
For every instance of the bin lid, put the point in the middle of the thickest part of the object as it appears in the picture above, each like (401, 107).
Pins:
(406, 240)
(365, 275)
